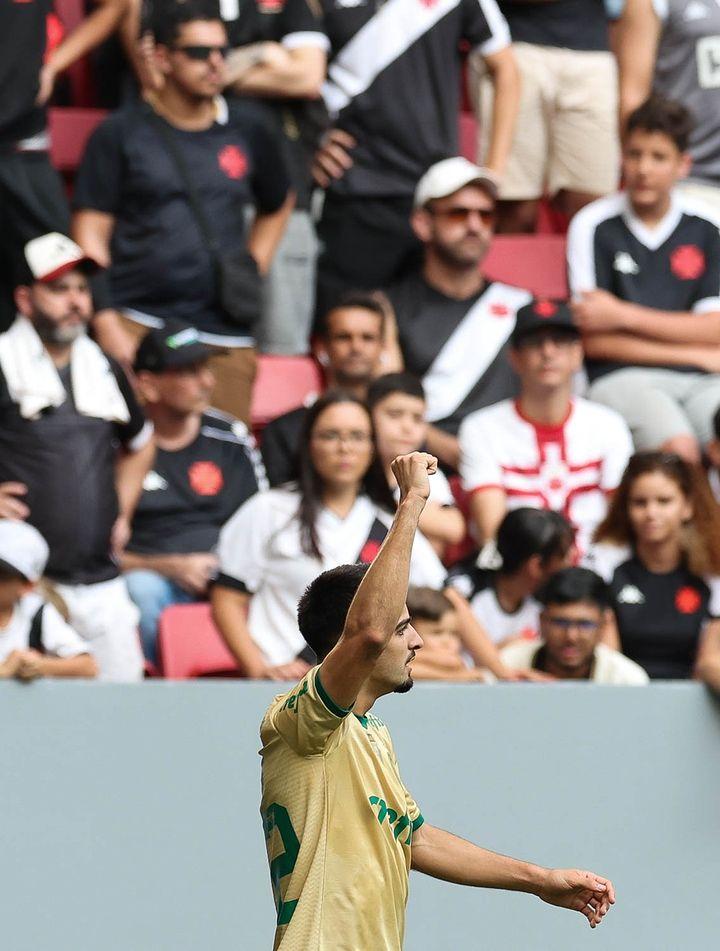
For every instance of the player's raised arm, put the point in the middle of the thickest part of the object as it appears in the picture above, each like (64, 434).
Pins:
(378, 609)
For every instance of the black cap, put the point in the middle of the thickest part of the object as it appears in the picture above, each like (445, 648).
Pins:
(176, 345)
(540, 314)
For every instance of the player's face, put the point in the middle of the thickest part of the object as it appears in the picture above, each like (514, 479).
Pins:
(196, 62)
(443, 634)
(652, 164)
(571, 633)
(353, 345)
(548, 358)
(460, 227)
(60, 309)
(400, 426)
(186, 390)
(657, 508)
(393, 671)
(341, 445)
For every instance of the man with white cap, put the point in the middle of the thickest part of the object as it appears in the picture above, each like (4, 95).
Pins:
(453, 325)
(74, 449)
(35, 641)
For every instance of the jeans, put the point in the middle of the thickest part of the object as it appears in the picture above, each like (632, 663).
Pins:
(152, 593)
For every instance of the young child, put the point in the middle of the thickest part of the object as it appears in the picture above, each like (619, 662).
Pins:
(435, 619)
(35, 641)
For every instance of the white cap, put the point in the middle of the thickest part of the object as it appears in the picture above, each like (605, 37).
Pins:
(446, 177)
(23, 548)
(53, 254)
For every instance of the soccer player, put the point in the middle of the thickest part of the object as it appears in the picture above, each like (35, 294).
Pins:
(342, 830)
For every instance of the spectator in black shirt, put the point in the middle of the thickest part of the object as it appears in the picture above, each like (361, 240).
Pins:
(75, 442)
(659, 549)
(135, 214)
(356, 343)
(206, 466)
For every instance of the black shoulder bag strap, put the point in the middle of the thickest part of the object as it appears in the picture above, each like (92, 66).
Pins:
(35, 641)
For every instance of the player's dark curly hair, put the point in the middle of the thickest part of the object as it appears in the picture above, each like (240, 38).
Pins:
(701, 535)
(658, 114)
(325, 604)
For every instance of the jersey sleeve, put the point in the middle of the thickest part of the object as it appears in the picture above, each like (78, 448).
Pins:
(242, 546)
(619, 448)
(307, 716)
(478, 468)
(58, 638)
(485, 26)
(137, 431)
(713, 583)
(98, 184)
(299, 24)
(581, 271)
(707, 290)
(270, 180)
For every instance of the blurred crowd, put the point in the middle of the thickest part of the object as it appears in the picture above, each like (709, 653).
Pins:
(284, 178)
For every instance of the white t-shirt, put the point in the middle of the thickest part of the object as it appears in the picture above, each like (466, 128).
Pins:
(569, 468)
(609, 666)
(476, 585)
(58, 638)
(260, 552)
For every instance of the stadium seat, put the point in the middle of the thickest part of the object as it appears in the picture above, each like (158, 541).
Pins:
(69, 131)
(190, 646)
(281, 384)
(535, 261)
(80, 76)
(468, 136)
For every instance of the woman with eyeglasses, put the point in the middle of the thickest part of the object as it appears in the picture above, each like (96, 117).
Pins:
(280, 540)
(659, 549)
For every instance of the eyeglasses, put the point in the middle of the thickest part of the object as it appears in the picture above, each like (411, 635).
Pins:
(202, 52)
(567, 624)
(460, 214)
(333, 437)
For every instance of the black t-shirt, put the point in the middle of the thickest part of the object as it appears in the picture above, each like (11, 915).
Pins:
(67, 460)
(676, 266)
(160, 263)
(280, 445)
(660, 617)
(572, 24)
(428, 323)
(189, 494)
(394, 84)
(24, 31)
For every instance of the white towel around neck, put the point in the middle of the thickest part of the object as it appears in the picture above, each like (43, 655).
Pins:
(34, 383)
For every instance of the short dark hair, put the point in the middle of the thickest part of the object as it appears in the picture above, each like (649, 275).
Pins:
(167, 17)
(9, 572)
(658, 114)
(525, 532)
(427, 604)
(716, 423)
(367, 300)
(571, 585)
(390, 383)
(324, 606)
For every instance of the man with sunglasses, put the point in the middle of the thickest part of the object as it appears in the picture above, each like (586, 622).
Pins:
(546, 449)
(453, 325)
(135, 212)
(575, 602)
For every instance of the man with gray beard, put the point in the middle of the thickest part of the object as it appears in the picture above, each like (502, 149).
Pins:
(74, 449)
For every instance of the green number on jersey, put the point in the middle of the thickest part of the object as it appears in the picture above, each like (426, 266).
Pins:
(277, 817)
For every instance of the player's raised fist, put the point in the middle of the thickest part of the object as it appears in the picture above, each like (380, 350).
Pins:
(412, 473)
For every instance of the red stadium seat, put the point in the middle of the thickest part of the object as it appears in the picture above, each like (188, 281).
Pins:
(82, 86)
(190, 646)
(281, 384)
(69, 131)
(469, 136)
(535, 261)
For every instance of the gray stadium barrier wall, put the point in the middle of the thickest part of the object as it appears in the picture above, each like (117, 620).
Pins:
(130, 813)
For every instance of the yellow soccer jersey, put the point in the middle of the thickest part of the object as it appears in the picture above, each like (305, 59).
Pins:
(338, 825)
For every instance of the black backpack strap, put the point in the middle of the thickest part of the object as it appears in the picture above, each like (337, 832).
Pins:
(35, 641)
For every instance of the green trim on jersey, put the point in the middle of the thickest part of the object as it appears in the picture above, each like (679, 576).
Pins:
(328, 701)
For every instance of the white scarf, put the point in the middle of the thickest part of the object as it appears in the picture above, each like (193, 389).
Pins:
(34, 382)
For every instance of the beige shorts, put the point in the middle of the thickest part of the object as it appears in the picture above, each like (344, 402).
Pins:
(566, 135)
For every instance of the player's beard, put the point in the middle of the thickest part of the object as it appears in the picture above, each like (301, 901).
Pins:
(405, 686)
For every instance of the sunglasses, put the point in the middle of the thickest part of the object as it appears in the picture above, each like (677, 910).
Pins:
(202, 52)
(459, 215)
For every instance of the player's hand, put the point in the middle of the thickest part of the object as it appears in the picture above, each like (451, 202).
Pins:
(30, 665)
(412, 474)
(11, 504)
(292, 671)
(332, 158)
(585, 892)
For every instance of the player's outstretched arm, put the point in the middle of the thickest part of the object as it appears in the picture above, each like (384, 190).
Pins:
(380, 600)
(445, 856)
